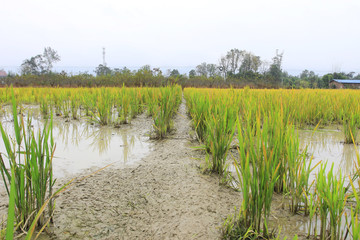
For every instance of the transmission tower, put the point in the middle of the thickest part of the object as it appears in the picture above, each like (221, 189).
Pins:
(104, 63)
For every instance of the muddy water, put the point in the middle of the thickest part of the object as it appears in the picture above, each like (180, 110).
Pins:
(81, 146)
(327, 145)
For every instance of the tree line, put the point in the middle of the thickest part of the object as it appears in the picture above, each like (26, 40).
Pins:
(237, 68)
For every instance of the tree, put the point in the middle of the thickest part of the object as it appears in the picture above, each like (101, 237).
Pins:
(102, 70)
(202, 69)
(312, 78)
(340, 75)
(275, 70)
(32, 66)
(325, 80)
(357, 76)
(250, 63)
(234, 57)
(224, 66)
(41, 63)
(144, 74)
(174, 73)
(192, 73)
(157, 72)
(50, 56)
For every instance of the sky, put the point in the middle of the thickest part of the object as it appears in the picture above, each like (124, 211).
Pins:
(318, 35)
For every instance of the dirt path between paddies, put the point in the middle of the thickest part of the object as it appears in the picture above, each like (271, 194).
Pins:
(164, 196)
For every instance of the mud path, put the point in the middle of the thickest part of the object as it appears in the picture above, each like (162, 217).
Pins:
(164, 196)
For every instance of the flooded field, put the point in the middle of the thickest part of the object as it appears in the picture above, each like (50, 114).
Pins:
(327, 145)
(81, 146)
(157, 188)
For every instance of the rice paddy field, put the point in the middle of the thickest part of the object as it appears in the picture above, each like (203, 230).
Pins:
(172, 163)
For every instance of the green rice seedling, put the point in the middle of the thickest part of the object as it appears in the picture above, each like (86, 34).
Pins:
(135, 104)
(298, 177)
(66, 108)
(30, 157)
(124, 106)
(220, 126)
(56, 98)
(233, 229)
(257, 173)
(75, 106)
(332, 200)
(198, 106)
(312, 205)
(355, 224)
(285, 144)
(102, 113)
(89, 102)
(354, 227)
(11, 208)
(44, 107)
(350, 128)
(11, 229)
(151, 101)
(168, 101)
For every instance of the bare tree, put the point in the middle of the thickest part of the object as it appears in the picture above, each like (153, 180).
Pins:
(212, 70)
(202, 69)
(40, 64)
(234, 57)
(264, 67)
(50, 56)
(250, 63)
(224, 65)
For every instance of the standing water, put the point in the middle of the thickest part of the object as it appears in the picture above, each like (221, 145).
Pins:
(81, 146)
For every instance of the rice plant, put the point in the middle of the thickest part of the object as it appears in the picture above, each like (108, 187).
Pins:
(312, 206)
(75, 106)
(350, 128)
(257, 173)
(220, 126)
(124, 107)
(332, 199)
(44, 107)
(30, 158)
(102, 113)
(199, 109)
(168, 100)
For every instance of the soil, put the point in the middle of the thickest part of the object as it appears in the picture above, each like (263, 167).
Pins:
(164, 196)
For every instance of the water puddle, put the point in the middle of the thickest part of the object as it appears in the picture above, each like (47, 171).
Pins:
(81, 146)
(327, 145)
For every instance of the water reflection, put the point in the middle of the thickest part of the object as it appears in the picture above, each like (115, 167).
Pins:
(327, 145)
(80, 145)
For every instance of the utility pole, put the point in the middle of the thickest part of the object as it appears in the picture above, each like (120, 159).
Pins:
(104, 63)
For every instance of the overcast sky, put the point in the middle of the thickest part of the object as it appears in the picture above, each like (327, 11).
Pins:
(320, 35)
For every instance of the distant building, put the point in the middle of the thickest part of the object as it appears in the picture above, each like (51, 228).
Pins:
(2, 73)
(344, 83)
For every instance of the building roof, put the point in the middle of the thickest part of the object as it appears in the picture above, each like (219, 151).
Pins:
(347, 81)
(2, 73)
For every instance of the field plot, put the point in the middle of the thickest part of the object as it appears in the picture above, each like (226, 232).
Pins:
(265, 128)
(286, 159)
